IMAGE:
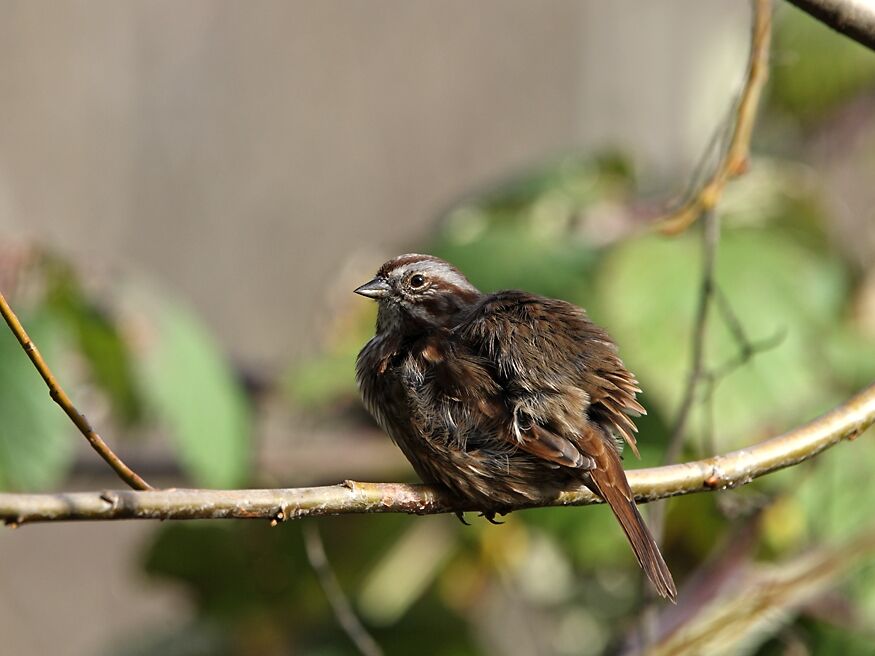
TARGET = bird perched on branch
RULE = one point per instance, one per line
(505, 398)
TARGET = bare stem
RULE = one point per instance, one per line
(60, 397)
(339, 602)
(729, 470)
(735, 160)
(710, 241)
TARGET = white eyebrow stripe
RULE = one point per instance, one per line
(435, 268)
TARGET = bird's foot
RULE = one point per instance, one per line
(490, 517)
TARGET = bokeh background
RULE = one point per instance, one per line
(188, 194)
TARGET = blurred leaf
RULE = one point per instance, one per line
(405, 571)
(844, 350)
(783, 195)
(36, 445)
(817, 69)
(523, 235)
(646, 293)
(826, 639)
(836, 501)
(316, 382)
(509, 257)
(188, 382)
(580, 179)
(97, 338)
(319, 381)
(838, 494)
(232, 569)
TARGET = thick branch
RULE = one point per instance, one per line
(730, 470)
(60, 397)
(853, 18)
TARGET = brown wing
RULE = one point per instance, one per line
(567, 391)
(546, 352)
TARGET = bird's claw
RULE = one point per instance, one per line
(490, 517)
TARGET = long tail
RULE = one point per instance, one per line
(608, 480)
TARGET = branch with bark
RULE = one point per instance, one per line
(729, 470)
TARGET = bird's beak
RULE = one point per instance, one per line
(376, 288)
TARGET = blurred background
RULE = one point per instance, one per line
(190, 191)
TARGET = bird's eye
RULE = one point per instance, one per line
(417, 281)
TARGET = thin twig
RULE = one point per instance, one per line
(60, 397)
(710, 241)
(730, 470)
(713, 377)
(747, 347)
(339, 602)
(747, 350)
(731, 320)
(735, 160)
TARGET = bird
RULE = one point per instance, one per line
(504, 399)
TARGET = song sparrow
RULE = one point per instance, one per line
(503, 398)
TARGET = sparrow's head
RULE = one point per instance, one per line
(417, 292)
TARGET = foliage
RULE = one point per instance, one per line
(192, 391)
(168, 369)
(96, 337)
(815, 71)
(785, 295)
(35, 448)
(786, 559)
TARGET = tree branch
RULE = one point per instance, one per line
(60, 397)
(734, 469)
(734, 161)
(853, 18)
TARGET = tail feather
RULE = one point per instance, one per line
(642, 542)
(608, 480)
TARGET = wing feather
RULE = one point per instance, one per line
(543, 351)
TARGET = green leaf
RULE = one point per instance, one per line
(97, 339)
(647, 292)
(35, 444)
(317, 382)
(819, 69)
(191, 387)
(526, 234)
